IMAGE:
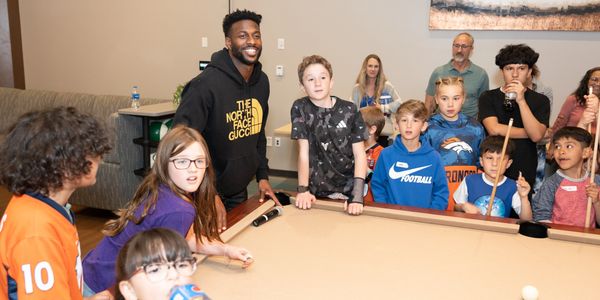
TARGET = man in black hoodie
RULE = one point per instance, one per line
(228, 104)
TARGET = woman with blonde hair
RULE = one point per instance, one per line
(373, 88)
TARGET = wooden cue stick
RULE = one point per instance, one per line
(493, 195)
(588, 210)
(589, 129)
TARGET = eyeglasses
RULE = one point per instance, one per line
(463, 46)
(158, 272)
(184, 163)
(595, 79)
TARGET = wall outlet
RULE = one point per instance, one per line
(277, 142)
(279, 70)
(269, 141)
(280, 44)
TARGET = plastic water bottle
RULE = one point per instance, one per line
(385, 101)
(187, 292)
(135, 98)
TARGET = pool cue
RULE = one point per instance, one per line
(588, 210)
(589, 129)
(493, 195)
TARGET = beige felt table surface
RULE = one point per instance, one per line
(325, 254)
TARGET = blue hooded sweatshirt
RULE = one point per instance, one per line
(410, 178)
(456, 141)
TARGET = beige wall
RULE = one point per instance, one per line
(108, 46)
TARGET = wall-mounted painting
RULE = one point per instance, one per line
(571, 15)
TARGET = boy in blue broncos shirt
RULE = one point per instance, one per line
(410, 172)
(473, 194)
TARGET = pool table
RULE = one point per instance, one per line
(393, 252)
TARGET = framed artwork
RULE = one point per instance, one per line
(572, 15)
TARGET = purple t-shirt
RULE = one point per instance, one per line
(170, 212)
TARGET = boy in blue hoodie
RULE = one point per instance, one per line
(410, 172)
(453, 134)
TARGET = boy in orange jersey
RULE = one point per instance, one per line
(44, 158)
(374, 121)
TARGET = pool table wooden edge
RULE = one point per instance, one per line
(422, 217)
(557, 232)
(574, 236)
(242, 218)
(243, 215)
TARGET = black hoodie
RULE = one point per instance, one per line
(231, 114)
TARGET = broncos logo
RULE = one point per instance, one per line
(456, 145)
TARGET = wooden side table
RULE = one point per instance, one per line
(157, 111)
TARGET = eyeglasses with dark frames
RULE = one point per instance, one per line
(185, 163)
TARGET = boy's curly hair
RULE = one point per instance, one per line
(45, 148)
(239, 15)
(516, 54)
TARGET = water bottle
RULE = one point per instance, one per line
(187, 292)
(385, 101)
(135, 98)
(510, 99)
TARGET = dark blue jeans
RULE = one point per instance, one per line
(232, 201)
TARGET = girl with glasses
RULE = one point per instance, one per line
(178, 194)
(152, 263)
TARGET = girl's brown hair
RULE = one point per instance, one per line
(203, 200)
(157, 245)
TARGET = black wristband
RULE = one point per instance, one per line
(357, 191)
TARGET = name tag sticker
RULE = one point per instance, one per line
(401, 164)
(569, 188)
